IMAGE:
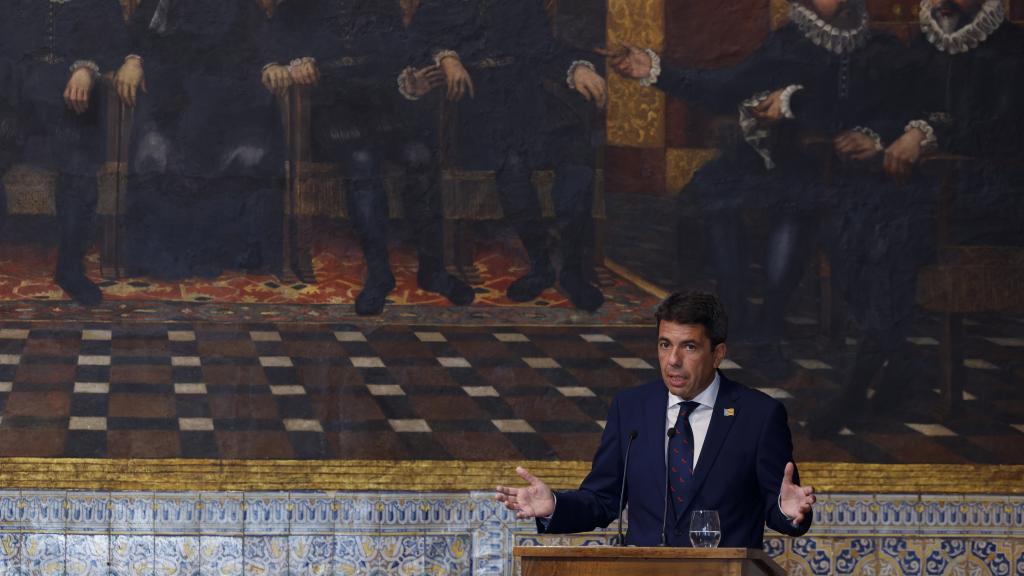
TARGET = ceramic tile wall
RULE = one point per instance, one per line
(222, 534)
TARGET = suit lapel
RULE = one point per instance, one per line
(654, 429)
(718, 430)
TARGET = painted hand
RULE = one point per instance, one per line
(770, 109)
(276, 78)
(305, 73)
(129, 80)
(628, 61)
(590, 85)
(422, 81)
(902, 154)
(855, 146)
(76, 93)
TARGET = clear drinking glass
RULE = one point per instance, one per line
(705, 531)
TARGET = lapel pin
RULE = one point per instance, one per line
(730, 411)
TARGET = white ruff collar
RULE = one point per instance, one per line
(989, 17)
(821, 33)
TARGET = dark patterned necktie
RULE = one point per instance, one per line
(680, 456)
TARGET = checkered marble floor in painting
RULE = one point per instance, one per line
(325, 391)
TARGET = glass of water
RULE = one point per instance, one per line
(705, 531)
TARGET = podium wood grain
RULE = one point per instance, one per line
(629, 561)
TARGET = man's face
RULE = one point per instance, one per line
(687, 360)
(954, 14)
(839, 13)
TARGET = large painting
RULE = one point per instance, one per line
(373, 235)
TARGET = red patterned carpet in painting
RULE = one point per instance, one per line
(28, 291)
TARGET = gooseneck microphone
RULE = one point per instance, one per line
(622, 492)
(671, 433)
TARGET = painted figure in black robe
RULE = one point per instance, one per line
(207, 161)
(355, 50)
(8, 127)
(495, 56)
(52, 56)
(815, 88)
(961, 95)
(964, 99)
(574, 96)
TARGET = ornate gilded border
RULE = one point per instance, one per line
(424, 475)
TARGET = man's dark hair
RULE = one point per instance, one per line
(701, 308)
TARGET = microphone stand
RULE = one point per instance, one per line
(671, 433)
(622, 491)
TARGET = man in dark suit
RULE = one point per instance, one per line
(738, 438)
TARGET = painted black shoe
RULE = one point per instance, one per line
(581, 293)
(80, 288)
(370, 301)
(531, 286)
(451, 287)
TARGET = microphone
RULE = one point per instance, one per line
(622, 493)
(671, 433)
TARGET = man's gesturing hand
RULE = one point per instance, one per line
(533, 501)
(794, 501)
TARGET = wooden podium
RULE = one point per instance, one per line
(629, 561)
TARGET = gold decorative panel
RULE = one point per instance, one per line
(780, 13)
(636, 115)
(454, 475)
(682, 163)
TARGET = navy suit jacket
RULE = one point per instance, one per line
(739, 471)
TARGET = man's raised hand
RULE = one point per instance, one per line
(532, 501)
(795, 501)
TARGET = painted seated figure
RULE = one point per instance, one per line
(51, 57)
(207, 159)
(495, 57)
(352, 52)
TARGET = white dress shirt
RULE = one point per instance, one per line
(700, 418)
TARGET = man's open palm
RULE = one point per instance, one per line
(533, 501)
(794, 500)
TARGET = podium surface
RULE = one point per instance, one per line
(651, 561)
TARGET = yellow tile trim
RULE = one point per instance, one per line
(422, 475)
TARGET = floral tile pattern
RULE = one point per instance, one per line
(414, 534)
